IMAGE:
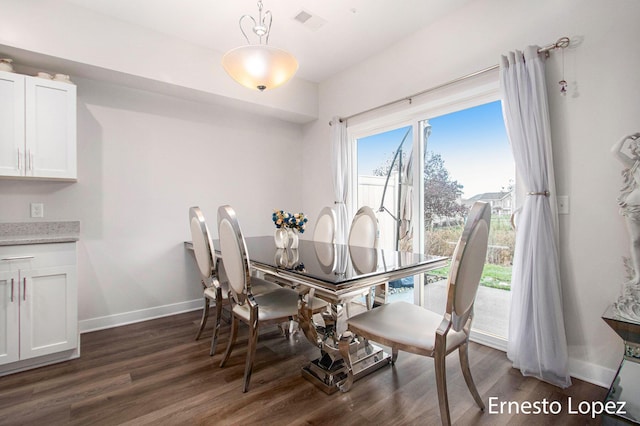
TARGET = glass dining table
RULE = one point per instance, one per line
(336, 273)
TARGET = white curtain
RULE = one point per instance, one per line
(340, 162)
(537, 340)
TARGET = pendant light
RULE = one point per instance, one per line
(259, 66)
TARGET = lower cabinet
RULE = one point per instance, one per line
(38, 304)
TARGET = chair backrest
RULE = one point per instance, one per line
(467, 264)
(234, 254)
(202, 245)
(325, 229)
(364, 230)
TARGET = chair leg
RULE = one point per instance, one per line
(251, 353)
(380, 293)
(466, 372)
(370, 298)
(441, 384)
(394, 355)
(232, 340)
(205, 315)
(216, 326)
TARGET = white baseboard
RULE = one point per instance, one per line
(592, 373)
(490, 340)
(117, 320)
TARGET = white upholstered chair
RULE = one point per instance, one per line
(274, 307)
(365, 232)
(201, 240)
(407, 327)
(214, 289)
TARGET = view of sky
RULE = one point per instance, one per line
(473, 144)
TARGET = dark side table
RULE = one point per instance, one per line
(626, 384)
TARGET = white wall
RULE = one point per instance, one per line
(602, 105)
(143, 160)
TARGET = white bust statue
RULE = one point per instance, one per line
(627, 150)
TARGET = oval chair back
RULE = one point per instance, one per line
(364, 230)
(325, 229)
(467, 264)
(234, 254)
(201, 240)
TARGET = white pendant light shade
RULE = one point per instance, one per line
(260, 67)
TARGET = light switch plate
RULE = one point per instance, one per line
(563, 204)
(37, 210)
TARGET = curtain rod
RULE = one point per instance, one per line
(560, 44)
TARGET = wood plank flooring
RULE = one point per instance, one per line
(154, 373)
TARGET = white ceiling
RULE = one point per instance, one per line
(354, 29)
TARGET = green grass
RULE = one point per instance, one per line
(497, 273)
(494, 276)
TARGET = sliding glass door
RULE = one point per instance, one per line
(421, 176)
(468, 159)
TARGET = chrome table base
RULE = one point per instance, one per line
(328, 374)
(336, 343)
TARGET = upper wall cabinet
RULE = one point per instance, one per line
(37, 127)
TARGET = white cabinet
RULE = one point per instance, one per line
(9, 318)
(37, 127)
(39, 302)
(12, 142)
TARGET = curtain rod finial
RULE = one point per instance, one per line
(563, 42)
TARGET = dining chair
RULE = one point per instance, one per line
(325, 229)
(365, 232)
(213, 289)
(407, 327)
(274, 307)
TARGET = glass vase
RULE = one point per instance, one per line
(281, 238)
(293, 238)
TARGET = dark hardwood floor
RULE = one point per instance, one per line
(155, 373)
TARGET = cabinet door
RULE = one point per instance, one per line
(9, 343)
(11, 124)
(50, 129)
(48, 311)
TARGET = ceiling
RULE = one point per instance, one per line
(350, 30)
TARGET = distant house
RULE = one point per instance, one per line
(501, 202)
